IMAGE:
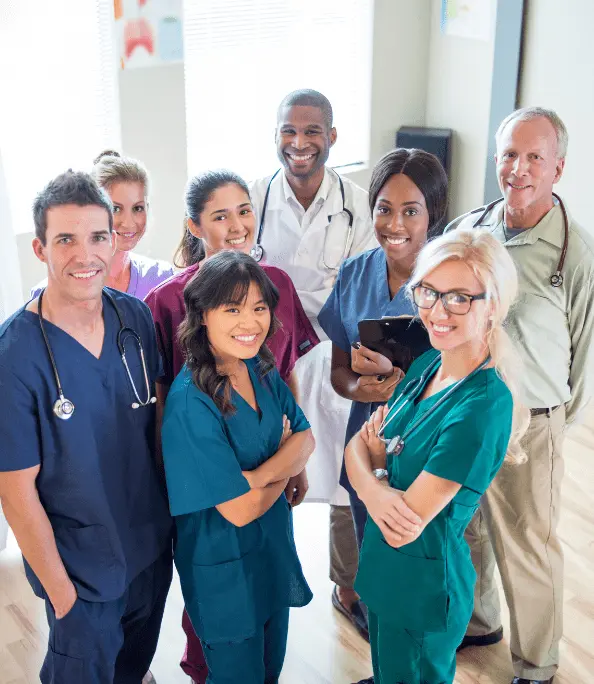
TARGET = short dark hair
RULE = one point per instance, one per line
(308, 98)
(199, 190)
(72, 187)
(424, 170)
(223, 279)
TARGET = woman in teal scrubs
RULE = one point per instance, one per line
(232, 437)
(435, 448)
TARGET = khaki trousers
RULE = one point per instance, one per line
(516, 528)
(344, 552)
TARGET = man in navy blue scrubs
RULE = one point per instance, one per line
(78, 480)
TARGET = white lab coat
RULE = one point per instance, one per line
(310, 249)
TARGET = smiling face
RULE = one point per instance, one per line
(527, 169)
(449, 331)
(226, 222)
(237, 330)
(303, 140)
(129, 213)
(78, 251)
(401, 220)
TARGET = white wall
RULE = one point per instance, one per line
(401, 38)
(459, 97)
(153, 122)
(558, 72)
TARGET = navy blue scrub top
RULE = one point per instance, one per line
(98, 481)
(360, 292)
(233, 578)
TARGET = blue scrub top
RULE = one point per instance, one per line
(360, 292)
(233, 578)
(98, 481)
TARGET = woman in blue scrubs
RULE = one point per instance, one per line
(437, 446)
(232, 437)
(408, 199)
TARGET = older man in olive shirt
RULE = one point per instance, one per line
(552, 325)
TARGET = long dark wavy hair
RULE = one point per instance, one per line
(222, 280)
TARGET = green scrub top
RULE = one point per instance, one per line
(233, 579)
(427, 585)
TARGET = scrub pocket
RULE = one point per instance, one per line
(404, 591)
(89, 559)
(59, 668)
(225, 599)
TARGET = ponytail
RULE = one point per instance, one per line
(508, 365)
(190, 249)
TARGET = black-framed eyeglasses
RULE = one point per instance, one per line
(454, 302)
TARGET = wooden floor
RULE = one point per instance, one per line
(323, 648)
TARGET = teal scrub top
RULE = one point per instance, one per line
(417, 586)
(233, 578)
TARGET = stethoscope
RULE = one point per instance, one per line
(409, 393)
(257, 251)
(557, 277)
(64, 408)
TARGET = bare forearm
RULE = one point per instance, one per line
(35, 537)
(359, 467)
(249, 507)
(288, 461)
(344, 383)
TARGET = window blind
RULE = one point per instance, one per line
(58, 78)
(243, 56)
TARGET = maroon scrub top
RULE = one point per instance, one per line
(295, 338)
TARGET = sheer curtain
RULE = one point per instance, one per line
(10, 283)
(60, 108)
(58, 78)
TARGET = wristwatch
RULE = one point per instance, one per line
(380, 473)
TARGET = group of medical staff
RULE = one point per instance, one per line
(189, 426)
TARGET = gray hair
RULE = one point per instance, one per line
(529, 113)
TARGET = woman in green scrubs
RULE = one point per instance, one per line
(232, 437)
(433, 451)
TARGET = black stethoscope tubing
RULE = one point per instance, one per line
(396, 444)
(64, 408)
(257, 251)
(556, 278)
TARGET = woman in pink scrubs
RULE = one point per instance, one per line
(219, 217)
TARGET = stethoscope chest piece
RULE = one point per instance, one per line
(395, 446)
(63, 408)
(257, 252)
(557, 279)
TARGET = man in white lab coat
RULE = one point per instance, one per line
(310, 220)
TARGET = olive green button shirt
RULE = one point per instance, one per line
(551, 326)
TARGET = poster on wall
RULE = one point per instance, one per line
(467, 18)
(148, 32)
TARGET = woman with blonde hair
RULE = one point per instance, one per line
(436, 447)
(126, 181)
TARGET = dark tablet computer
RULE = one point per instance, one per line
(401, 339)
